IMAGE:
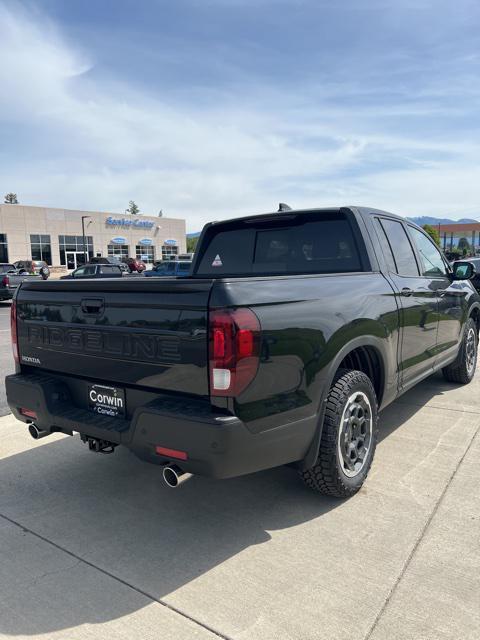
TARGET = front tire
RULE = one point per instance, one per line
(463, 368)
(349, 437)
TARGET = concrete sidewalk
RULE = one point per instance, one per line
(96, 546)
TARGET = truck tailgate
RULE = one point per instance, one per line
(150, 333)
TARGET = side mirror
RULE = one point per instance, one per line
(463, 270)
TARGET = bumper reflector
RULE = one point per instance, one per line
(28, 413)
(171, 453)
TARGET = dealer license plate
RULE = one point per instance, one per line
(106, 401)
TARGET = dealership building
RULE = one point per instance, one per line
(56, 235)
(451, 235)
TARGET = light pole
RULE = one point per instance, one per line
(83, 236)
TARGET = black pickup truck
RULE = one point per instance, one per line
(291, 332)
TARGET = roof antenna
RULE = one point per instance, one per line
(283, 207)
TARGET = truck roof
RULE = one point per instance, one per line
(293, 212)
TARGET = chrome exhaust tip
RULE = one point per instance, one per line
(174, 476)
(37, 433)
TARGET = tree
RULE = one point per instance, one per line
(192, 244)
(463, 246)
(11, 198)
(433, 233)
(133, 209)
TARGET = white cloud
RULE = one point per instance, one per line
(95, 144)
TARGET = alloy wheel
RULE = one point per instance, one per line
(355, 434)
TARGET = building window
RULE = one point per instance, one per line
(147, 254)
(169, 252)
(118, 250)
(41, 248)
(70, 244)
(3, 248)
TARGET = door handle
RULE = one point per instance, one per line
(406, 291)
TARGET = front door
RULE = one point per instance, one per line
(74, 259)
(71, 258)
(451, 296)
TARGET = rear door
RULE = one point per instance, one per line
(418, 301)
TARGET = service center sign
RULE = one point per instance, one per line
(126, 222)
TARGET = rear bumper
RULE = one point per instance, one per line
(217, 445)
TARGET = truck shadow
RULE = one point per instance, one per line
(116, 513)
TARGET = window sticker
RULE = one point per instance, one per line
(217, 262)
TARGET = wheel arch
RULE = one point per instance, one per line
(475, 314)
(367, 354)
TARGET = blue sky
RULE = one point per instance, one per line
(213, 108)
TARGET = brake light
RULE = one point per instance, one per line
(234, 350)
(6, 281)
(13, 330)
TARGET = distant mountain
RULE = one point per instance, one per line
(421, 220)
(193, 235)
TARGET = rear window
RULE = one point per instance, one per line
(104, 269)
(316, 242)
(5, 268)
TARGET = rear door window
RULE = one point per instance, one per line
(109, 270)
(386, 248)
(183, 267)
(313, 242)
(405, 261)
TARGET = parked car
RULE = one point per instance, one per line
(171, 268)
(38, 267)
(110, 260)
(290, 334)
(11, 279)
(95, 271)
(135, 265)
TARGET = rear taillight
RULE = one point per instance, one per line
(234, 344)
(6, 281)
(13, 329)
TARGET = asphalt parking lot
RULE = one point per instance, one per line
(96, 546)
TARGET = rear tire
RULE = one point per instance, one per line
(349, 437)
(463, 368)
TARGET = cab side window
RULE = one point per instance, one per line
(432, 262)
